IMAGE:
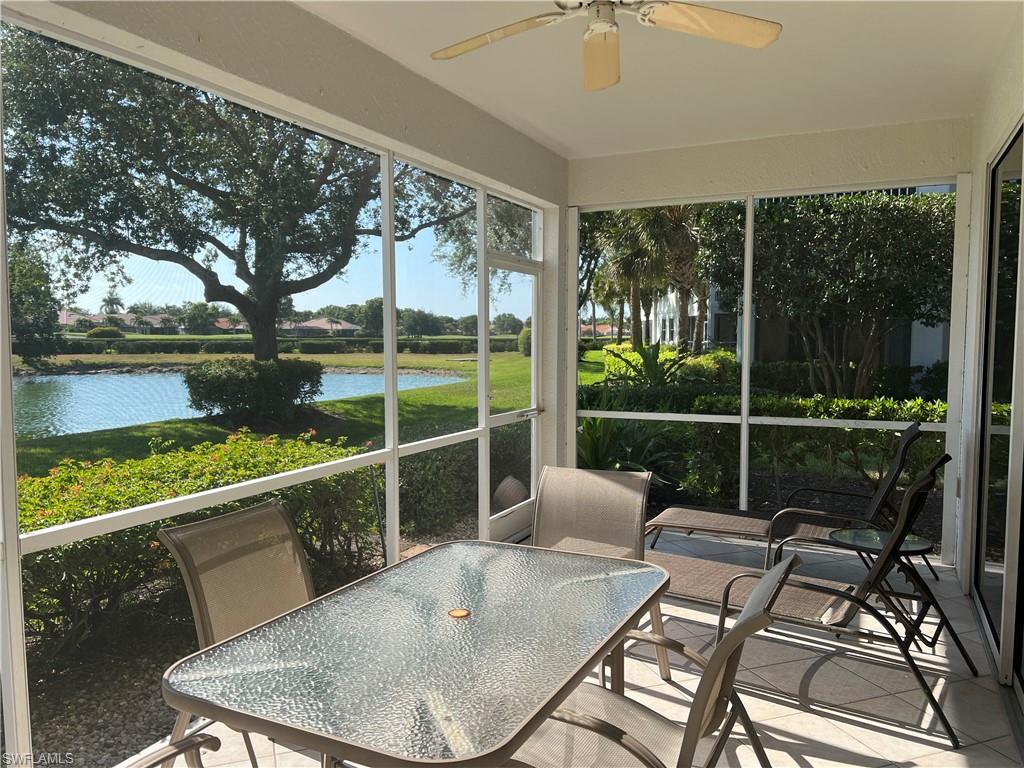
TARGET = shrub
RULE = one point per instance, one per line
(105, 332)
(83, 346)
(328, 346)
(525, 345)
(253, 389)
(505, 345)
(232, 346)
(157, 346)
(70, 589)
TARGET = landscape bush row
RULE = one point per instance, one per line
(171, 345)
(71, 590)
(698, 463)
(784, 377)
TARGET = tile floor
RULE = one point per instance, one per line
(816, 701)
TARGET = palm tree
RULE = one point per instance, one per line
(610, 292)
(111, 304)
(656, 247)
(636, 254)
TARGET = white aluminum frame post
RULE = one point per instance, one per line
(13, 664)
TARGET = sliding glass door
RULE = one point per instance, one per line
(999, 357)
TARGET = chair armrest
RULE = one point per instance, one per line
(193, 743)
(811, 540)
(611, 732)
(723, 609)
(829, 491)
(667, 642)
(816, 513)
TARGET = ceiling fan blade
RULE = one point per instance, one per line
(725, 26)
(601, 60)
(479, 41)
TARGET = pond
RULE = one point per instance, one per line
(67, 404)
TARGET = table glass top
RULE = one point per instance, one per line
(872, 538)
(381, 664)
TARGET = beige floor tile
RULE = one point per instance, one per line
(296, 759)
(891, 726)
(973, 756)
(767, 649)
(819, 680)
(893, 675)
(810, 741)
(1006, 745)
(972, 709)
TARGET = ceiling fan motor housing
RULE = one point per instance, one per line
(602, 19)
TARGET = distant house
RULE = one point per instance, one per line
(159, 324)
(319, 326)
(227, 325)
(603, 329)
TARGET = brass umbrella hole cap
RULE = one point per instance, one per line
(459, 613)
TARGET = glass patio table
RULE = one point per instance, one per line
(454, 656)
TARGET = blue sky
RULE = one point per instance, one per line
(421, 282)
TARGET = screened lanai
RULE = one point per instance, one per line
(277, 255)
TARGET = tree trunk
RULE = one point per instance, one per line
(593, 319)
(264, 334)
(636, 332)
(622, 317)
(683, 329)
(698, 329)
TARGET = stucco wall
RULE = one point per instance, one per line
(909, 152)
(280, 54)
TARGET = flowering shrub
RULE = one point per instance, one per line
(69, 589)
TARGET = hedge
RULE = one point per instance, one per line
(82, 346)
(69, 589)
(438, 488)
(229, 346)
(427, 346)
(105, 332)
(157, 346)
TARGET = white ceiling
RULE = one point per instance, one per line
(837, 65)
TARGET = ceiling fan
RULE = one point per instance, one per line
(601, 38)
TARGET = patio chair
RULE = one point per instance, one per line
(240, 569)
(597, 727)
(596, 512)
(879, 511)
(189, 747)
(831, 606)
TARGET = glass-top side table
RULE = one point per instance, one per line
(871, 541)
(453, 656)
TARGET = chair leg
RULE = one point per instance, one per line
(249, 749)
(904, 646)
(931, 568)
(932, 601)
(657, 535)
(658, 625)
(723, 736)
(748, 726)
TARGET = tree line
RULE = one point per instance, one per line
(843, 271)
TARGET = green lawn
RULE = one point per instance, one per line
(591, 367)
(424, 412)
